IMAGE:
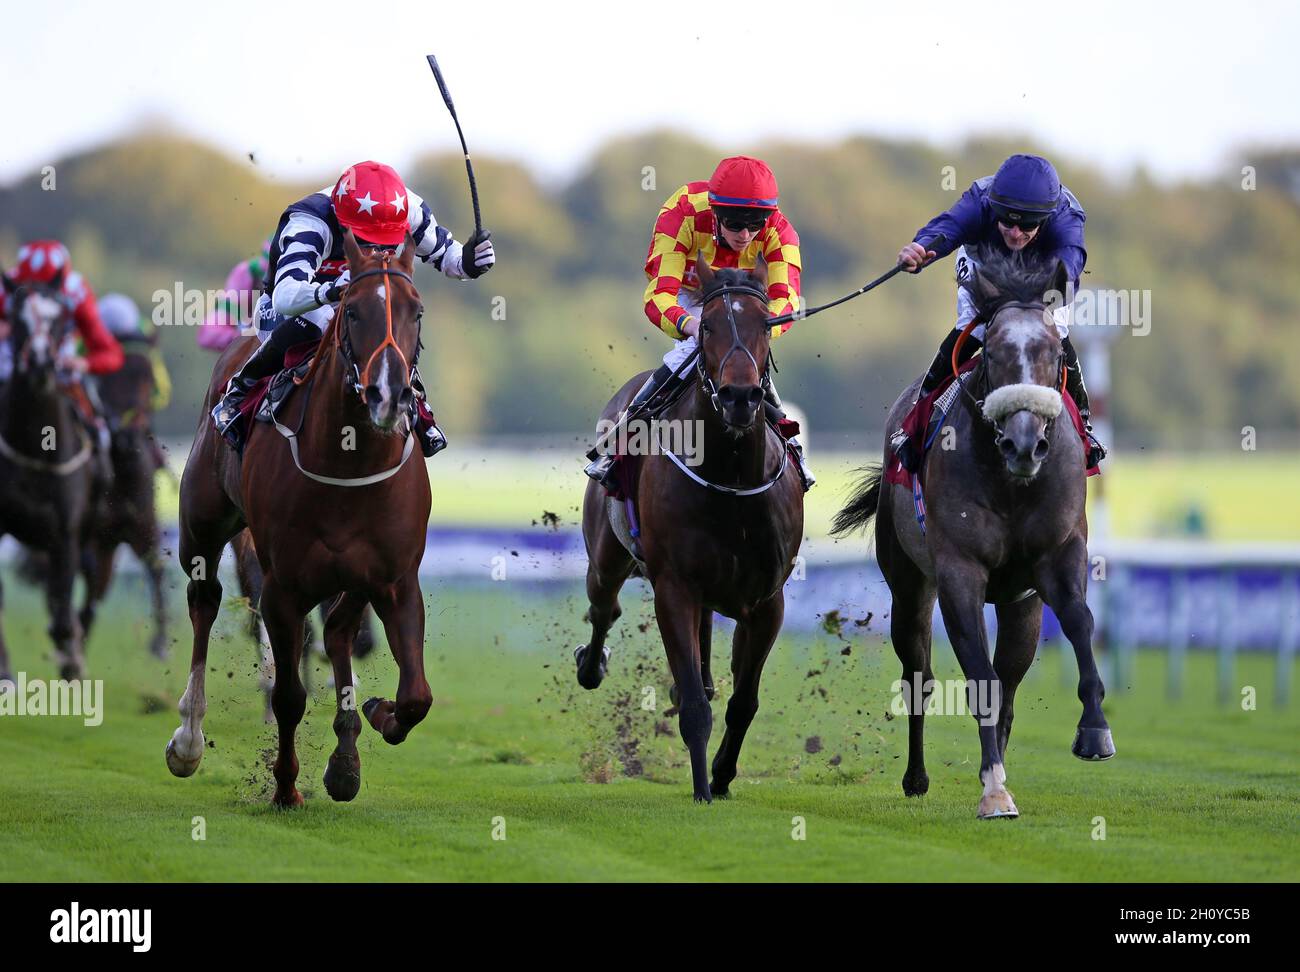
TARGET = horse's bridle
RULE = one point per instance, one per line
(710, 387)
(978, 403)
(343, 333)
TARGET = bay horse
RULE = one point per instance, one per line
(49, 480)
(1005, 524)
(720, 537)
(129, 514)
(315, 537)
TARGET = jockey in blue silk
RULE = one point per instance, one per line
(307, 275)
(1022, 207)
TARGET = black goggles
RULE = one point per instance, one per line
(736, 222)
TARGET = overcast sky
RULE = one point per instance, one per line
(312, 87)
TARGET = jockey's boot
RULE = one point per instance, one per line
(776, 414)
(264, 362)
(432, 439)
(1079, 392)
(601, 466)
(909, 452)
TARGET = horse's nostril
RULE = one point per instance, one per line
(755, 396)
(373, 395)
(1041, 450)
(1008, 448)
(405, 397)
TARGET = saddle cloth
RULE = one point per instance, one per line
(269, 394)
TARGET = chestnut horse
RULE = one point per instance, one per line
(721, 537)
(315, 537)
(1005, 524)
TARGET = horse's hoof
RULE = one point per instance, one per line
(370, 705)
(916, 784)
(994, 806)
(1093, 745)
(290, 801)
(721, 791)
(704, 798)
(342, 777)
(588, 679)
(179, 764)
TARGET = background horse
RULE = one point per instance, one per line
(130, 513)
(318, 540)
(706, 548)
(1005, 525)
(48, 476)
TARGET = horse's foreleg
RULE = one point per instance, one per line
(64, 629)
(1062, 584)
(283, 619)
(185, 750)
(678, 612)
(962, 585)
(1019, 625)
(343, 773)
(249, 574)
(750, 646)
(401, 610)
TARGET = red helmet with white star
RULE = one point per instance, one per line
(370, 199)
(41, 261)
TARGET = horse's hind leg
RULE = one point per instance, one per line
(750, 646)
(146, 548)
(608, 567)
(283, 618)
(402, 612)
(249, 573)
(97, 555)
(678, 612)
(1062, 586)
(911, 618)
(343, 773)
(1019, 625)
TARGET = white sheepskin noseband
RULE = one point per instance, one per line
(1010, 399)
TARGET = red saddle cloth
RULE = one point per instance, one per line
(295, 356)
(917, 424)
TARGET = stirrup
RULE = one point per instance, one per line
(805, 474)
(1096, 452)
(601, 469)
(904, 451)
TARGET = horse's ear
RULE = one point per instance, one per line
(759, 273)
(703, 270)
(985, 287)
(9, 285)
(406, 253)
(352, 250)
(56, 282)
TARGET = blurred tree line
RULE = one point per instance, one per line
(1219, 260)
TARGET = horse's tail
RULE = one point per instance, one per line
(857, 514)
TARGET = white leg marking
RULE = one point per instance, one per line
(185, 750)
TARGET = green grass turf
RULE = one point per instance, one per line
(1147, 494)
(1197, 792)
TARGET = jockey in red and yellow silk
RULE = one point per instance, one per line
(730, 221)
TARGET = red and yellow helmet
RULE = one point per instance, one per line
(744, 182)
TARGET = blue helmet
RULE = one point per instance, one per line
(1025, 190)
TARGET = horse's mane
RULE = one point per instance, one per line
(726, 277)
(1017, 278)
